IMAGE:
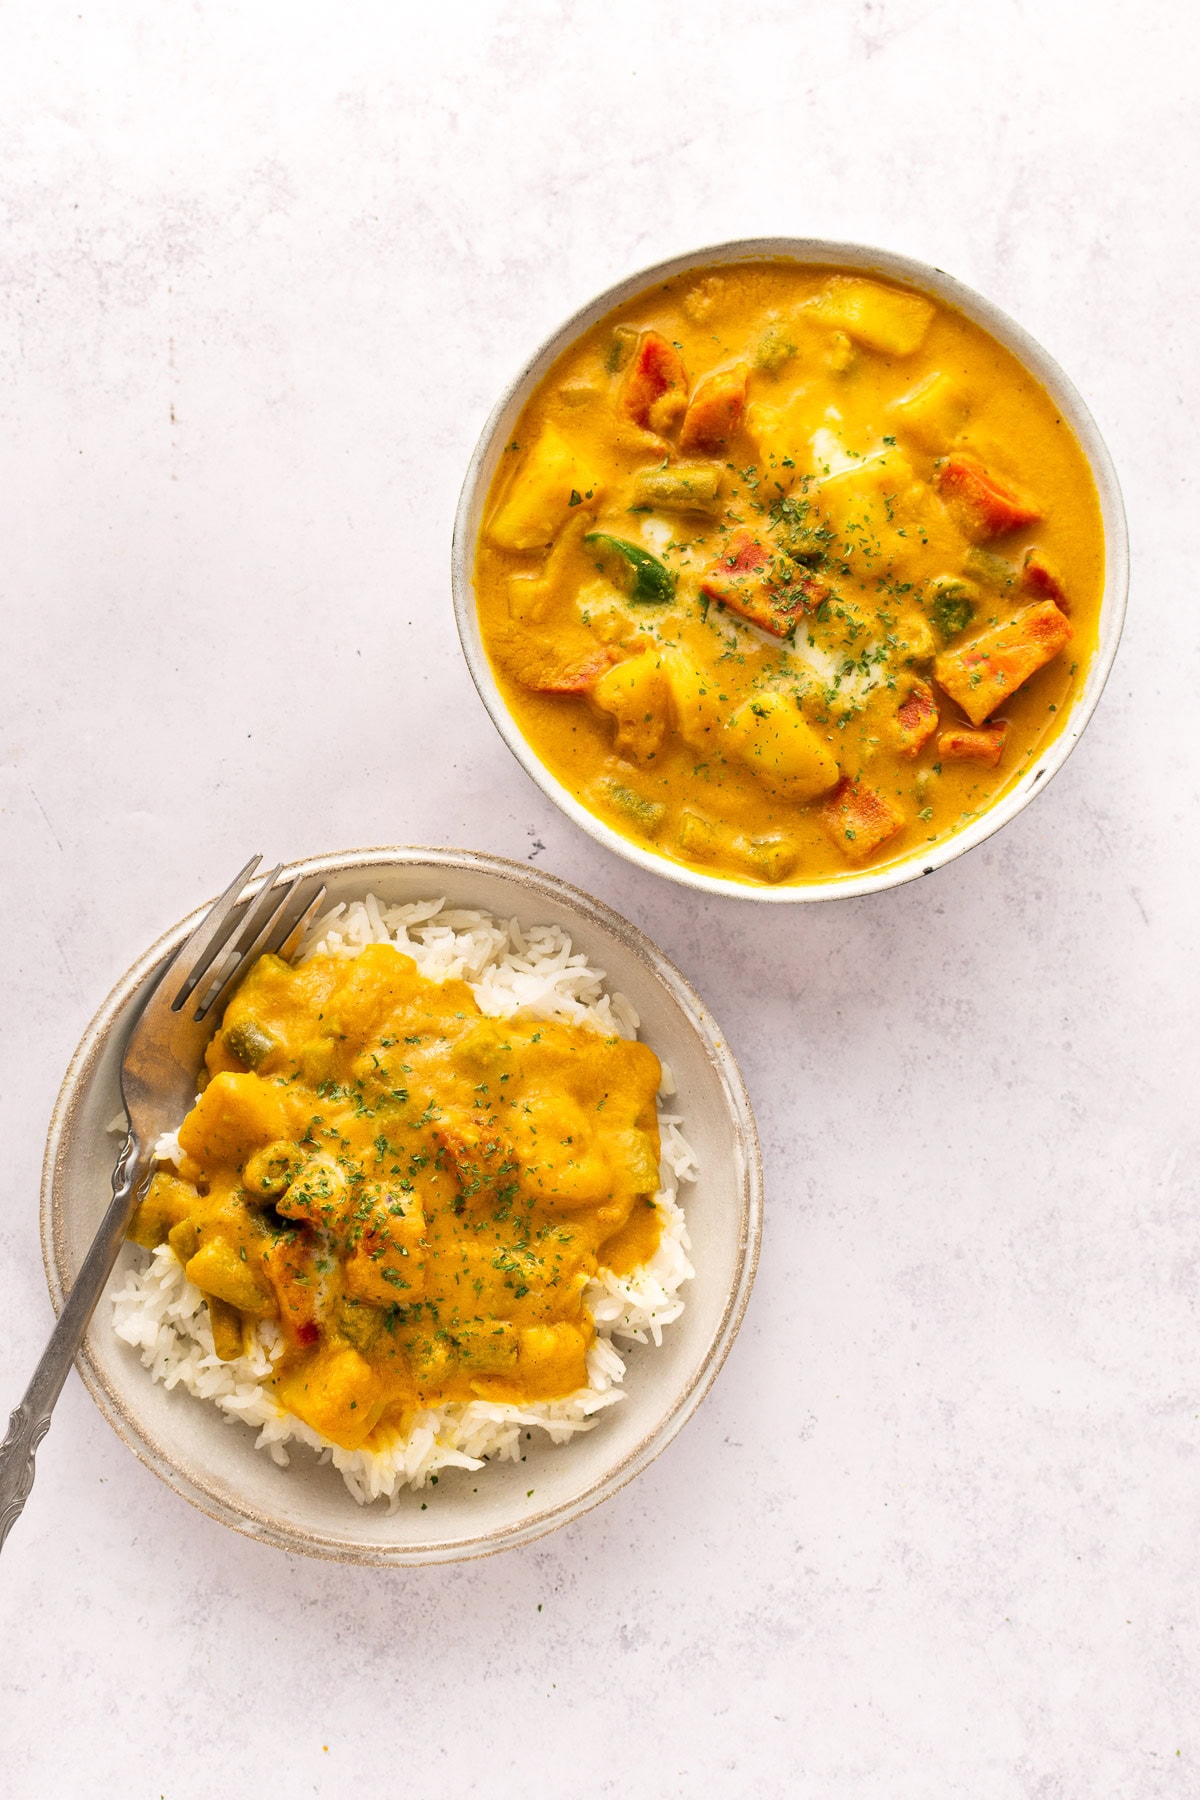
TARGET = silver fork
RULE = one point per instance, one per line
(163, 1054)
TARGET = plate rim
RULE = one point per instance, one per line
(256, 1524)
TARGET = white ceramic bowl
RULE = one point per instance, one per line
(499, 431)
(306, 1507)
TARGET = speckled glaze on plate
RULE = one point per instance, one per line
(870, 261)
(306, 1507)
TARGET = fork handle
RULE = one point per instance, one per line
(31, 1420)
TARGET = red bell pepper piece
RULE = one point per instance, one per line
(656, 386)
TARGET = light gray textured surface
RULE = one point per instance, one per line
(262, 271)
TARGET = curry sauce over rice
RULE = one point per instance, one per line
(418, 1195)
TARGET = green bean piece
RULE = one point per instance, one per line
(689, 487)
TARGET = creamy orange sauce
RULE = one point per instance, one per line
(787, 573)
(419, 1195)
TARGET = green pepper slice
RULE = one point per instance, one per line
(653, 583)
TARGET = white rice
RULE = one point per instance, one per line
(534, 973)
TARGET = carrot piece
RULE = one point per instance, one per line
(916, 718)
(715, 411)
(859, 819)
(985, 745)
(990, 668)
(983, 505)
(771, 591)
(1041, 578)
(656, 387)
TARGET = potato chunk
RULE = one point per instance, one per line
(338, 1394)
(379, 979)
(635, 693)
(777, 440)
(563, 1163)
(988, 669)
(220, 1268)
(270, 1010)
(552, 1358)
(782, 749)
(234, 1116)
(883, 318)
(868, 497)
(695, 707)
(859, 819)
(538, 499)
(933, 413)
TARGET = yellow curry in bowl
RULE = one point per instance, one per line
(788, 572)
(414, 1194)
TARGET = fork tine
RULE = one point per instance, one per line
(234, 933)
(286, 940)
(249, 928)
(209, 935)
(260, 927)
(265, 905)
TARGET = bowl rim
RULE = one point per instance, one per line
(252, 1522)
(866, 258)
